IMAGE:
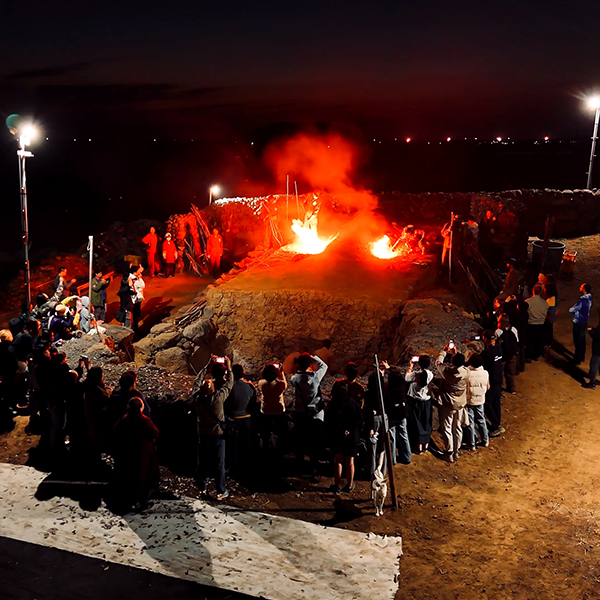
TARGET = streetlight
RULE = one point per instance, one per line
(594, 104)
(213, 191)
(24, 131)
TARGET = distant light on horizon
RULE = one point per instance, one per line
(407, 140)
(498, 139)
(546, 138)
(448, 139)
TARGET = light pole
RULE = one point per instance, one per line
(594, 104)
(212, 192)
(25, 134)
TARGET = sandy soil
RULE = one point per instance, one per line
(518, 520)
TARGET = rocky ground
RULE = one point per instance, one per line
(518, 520)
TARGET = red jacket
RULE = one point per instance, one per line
(169, 251)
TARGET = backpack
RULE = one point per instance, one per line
(509, 344)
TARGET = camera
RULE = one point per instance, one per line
(220, 359)
(415, 359)
(451, 344)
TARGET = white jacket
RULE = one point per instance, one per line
(479, 384)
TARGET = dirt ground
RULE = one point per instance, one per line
(518, 520)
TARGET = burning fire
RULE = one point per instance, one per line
(308, 240)
(383, 249)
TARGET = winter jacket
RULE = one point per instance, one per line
(479, 383)
(210, 412)
(453, 390)
(308, 393)
(581, 310)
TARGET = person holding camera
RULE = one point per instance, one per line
(419, 401)
(208, 396)
(309, 407)
(453, 399)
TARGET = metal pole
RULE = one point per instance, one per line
(209, 196)
(22, 155)
(593, 151)
(297, 204)
(386, 435)
(287, 198)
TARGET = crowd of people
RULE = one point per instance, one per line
(241, 424)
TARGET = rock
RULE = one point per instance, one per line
(154, 343)
(173, 360)
(90, 346)
(162, 328)
(198, 330)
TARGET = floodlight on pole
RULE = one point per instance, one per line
(594, 104)
(25, 133)
(213, 191)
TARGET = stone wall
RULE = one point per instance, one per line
(267, 326)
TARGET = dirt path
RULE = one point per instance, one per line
(518, 520)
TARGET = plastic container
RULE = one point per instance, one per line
(554, 256)
(568, 262)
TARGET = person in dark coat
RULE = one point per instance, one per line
(95, 405)
(344, 420)
(8, 372)
(419, 396)
(136, 460)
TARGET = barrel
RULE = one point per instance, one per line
(553, 257)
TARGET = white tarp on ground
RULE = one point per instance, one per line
(249, 552)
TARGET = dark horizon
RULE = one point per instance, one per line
(427, 71)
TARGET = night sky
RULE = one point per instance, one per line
(213, 70)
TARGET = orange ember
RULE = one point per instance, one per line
(383, 249)
(307, 239)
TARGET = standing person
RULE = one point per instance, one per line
(136, 460)
(209, 396)
(239, 406)
(273, 419)
(479, 384)
(537, 309)
(170, 255)
(214, 251)
(95, 405)
(98, 296)
(308, 407)
(138, 285)
(344, 420)
(492, 363)
(508, 338)
(594, 333)
(126, 294)
(8, 373)
(550, 294)
(581, 315)
(420, 402)
(151, 241)
(453, 398)
(398, 416)
(62, 285)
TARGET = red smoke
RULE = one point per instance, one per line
(323, 162)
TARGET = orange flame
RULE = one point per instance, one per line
(383, 249)
(308, 240)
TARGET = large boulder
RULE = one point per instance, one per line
(147, 347)
(199, 331)
(174, 360)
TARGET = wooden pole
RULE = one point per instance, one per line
(386, 434)
(547, 234)
(287, 198)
